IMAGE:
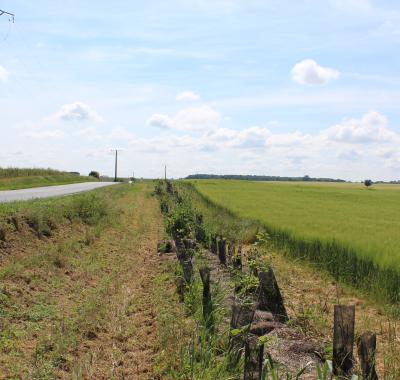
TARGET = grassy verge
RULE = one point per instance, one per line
(79, 305)
(44, 216)
(13, 179)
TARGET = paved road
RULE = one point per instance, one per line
(49, 191)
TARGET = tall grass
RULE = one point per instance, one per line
(219, 220)
(27, 172)
(20, 178)
(341, 259)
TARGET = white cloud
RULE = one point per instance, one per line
(289, 139)
(77, 112)
(160, 121)
(190, 119)
(4, 74)
(248, 138)
(309, 72)
(356, 147)
(187, 96)
(372, 127)
(253, 137)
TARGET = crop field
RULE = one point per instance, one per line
(14, 178)
(87, 278)
(325, 221)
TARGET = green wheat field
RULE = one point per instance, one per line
(325, 220)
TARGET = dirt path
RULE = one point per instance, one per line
(79, 310)
(124, 349)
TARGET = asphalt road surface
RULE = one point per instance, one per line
(49, 191)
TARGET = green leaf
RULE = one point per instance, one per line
(236, 332)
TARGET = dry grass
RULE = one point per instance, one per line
(79, 305)
(310, 297)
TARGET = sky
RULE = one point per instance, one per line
(271, 87)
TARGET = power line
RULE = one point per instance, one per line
(12, 15)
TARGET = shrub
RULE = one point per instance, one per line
(89, 208)
(181, 222)
(43, 220)
(94, 174)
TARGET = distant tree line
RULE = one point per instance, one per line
(262, 178)
(390, 182)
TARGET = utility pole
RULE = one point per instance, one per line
(8, 14)
(165, 173)
(116, 163)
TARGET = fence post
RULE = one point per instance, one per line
(242, 316)
(214, 245)
(253, 358)
(343, 339)
(185, 259)
(366, 351)
(231, 251)
(207, 303)
(222, 251)
(270, 298)
(237, 259)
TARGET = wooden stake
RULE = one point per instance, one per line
(222, 251)
(242, 316)
(207, 303)
(237, 259)
(343, 339)
(253, 358)
(187, 268)
(214, 245)
(270, 298)
(366, 352)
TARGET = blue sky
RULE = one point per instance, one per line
(216, 86)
